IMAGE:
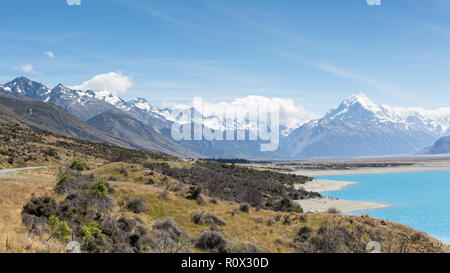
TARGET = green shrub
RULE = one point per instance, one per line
(66, 177)
(100, 189)
(51, 152)
(59, 229)
(79, 165)
(93, 237)
(92, 232)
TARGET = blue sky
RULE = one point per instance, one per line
(314, 52)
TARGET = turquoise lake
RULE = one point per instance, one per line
(419, 200)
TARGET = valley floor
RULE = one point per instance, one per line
(365, 166)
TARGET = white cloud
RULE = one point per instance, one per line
(27, 68)
(73, 2)
(439, 113)
(374, 2)
(114, 82)
(50, 54)
(291, 115)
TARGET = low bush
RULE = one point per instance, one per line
(162, 242)
(41, 206)
(59, 229)
(67, 183)
(245, 207)
(99, 189)
(287, 220)
(333, 211)
(79, 165)
(36, 224)
(213, 240)
(303, 233)
(302, 218)
(170, 226)
(51, 152)
(137, 205)
(207, 218)
(194, 192)
(330, 239)
(286, 204)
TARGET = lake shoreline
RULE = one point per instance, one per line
(324, 204)
(405, 169)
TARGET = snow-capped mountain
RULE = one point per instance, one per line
(359, 127)
(101, 110)
(82, 104)
(25, 87)
(141, 109)
(359, 107)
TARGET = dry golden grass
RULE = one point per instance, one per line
(240, 228)
(128, 172)
(17, 189)
(15, 192)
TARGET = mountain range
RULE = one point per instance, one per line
(357, 127)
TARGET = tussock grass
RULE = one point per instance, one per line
(240, 229)
(14, 194)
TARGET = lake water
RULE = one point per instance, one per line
(419, 200)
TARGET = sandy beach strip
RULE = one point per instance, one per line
(322, 205)
(406, 169)
(322, 185)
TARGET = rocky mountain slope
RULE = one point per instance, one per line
(50, 108)
(442, 146)
(137, 134)
(44, 116)
(358, 127)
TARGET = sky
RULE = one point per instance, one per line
(312, 53)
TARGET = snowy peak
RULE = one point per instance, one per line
(360, 107)
(62, 89)
(354, 103)
(26, 87)
(107, 97)
(360, 99)
(141, 104)
(86, 95)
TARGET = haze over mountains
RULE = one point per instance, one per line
(357, 127)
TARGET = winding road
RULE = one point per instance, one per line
(5, 171)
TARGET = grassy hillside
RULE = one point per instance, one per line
(119, 200)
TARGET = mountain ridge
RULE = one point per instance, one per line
(356, 127)
(137, 134)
